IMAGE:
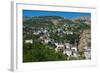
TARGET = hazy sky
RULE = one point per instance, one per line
(54, 13)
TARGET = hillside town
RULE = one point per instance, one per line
(70, 37)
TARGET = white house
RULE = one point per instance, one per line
(87, 55)
(36, 33)
(41, 37)
(59, 47)
(46, 41)
(69, 32)
(29, 41)
(45, 31)
(74, 54)
(74, 48)
(87, 52)
(68, 52)
(56, 44)
(67, 45)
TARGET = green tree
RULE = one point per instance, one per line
(40, 52)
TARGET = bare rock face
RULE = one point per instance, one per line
(86, 19)
(85, 40)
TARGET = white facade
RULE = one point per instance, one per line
(36, 33)
(59, 46)
(68, 52)
(69, 32)
(74, 48)
(87, 52)
(67, 45)
(46, 41)
(41, 37)
(28, 41)
(75, 54)
(87, 55)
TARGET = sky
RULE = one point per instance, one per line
(31, 13)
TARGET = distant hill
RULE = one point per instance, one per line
(83, 18)
(54, 20)
(25, 18)
(86, 19)
(42, 20)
